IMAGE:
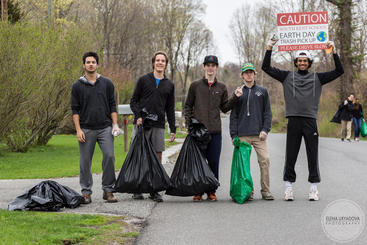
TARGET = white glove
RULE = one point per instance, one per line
(273, 41)
(263, 135)
(116, 131)
(330, 43)
(238, 92)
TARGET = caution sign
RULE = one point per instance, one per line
(302, 31)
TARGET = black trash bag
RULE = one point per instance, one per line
(336, 118)
(148, 118)
(200, 133)
(47, 195)
(191, 174)
(142, 171)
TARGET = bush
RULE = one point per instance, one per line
(37, 69)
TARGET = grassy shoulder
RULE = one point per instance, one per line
(59, 158)
(58, 228)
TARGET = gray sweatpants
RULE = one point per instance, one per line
(105, 139)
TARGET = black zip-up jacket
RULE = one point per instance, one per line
(346, 111)
(204, 103)
(302, 89)
(93, 102)
(251, 114)
(357, 113)
(159, 100)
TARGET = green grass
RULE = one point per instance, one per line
(52, 228)
(59, 158)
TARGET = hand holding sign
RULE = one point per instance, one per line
(330, 47)
(273, 41)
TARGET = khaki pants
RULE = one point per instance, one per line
(346, 129)
(263, 159)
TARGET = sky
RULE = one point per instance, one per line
(217, 19)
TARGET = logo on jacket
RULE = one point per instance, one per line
(258, 93)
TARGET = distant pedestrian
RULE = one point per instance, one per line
(95, 118)
(302, 91)
(357, 118)
(205, 99)
(346, 115)
(250, 120)
(154, 94)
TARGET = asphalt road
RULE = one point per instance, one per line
(343, 168)
(178, 220)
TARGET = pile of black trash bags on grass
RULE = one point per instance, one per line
(48, 195)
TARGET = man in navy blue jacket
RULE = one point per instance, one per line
(95, 118)
(250, 120)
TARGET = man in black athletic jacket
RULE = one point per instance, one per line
(302, 91)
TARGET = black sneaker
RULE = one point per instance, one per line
(138, 196)
(156, 197)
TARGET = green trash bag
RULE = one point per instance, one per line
(241, 180)
(364, 129)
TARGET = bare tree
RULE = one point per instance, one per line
(345, 35)
(198, 41)
(174, 20)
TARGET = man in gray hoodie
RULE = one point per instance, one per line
(250, 120)
(95, 118)
(302, 91)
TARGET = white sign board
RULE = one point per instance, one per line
(302, 31)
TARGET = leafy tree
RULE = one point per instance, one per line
(15, 14)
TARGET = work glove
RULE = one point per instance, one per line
(116, 131)
(238, 92)
(263, 135)
(330, 43)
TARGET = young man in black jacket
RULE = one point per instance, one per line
(95, 118)
(154, 93)
(302, 91)
(346, 115)
(250, 120)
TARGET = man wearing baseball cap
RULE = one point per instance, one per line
(251, 121)
(205, 99)
(302, 91)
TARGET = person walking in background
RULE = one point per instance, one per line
(357, 118)
(346, 115)
(154, 93)
(205, 99)
(302, 91)
(250, 120)
(95, 118)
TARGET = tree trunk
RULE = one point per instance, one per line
(344, 31)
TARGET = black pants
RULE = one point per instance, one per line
(296, 128)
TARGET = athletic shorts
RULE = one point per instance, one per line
(155, 135)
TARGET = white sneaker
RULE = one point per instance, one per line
(288, 194)
(313, 195)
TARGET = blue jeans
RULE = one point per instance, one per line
(357, 123)
(212, 154)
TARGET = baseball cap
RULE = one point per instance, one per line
(248, 66)
(211, 59)
(303, 54)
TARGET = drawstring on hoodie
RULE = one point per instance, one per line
(314, 81)
(294, 89)
(248, 102)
